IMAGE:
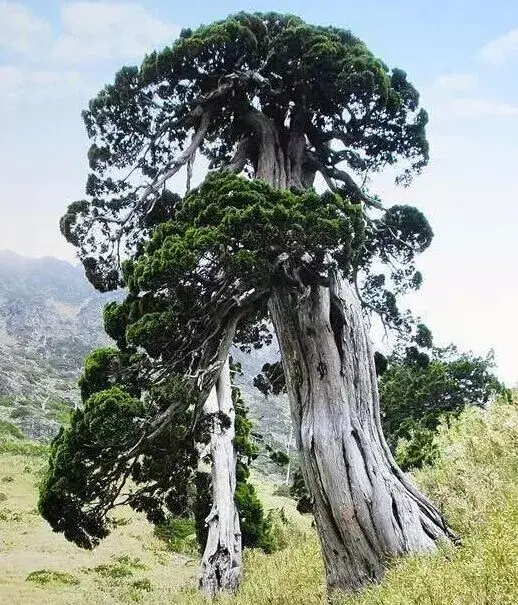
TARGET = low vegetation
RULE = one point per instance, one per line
(474, 479)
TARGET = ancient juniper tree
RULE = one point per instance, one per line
(285, 104)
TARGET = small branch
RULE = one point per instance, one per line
(182, 159)
(160, 181)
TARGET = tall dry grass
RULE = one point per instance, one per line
(475, 481)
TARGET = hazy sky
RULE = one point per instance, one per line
(461, 54)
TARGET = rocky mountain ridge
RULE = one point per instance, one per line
(50, 318)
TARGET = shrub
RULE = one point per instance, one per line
(417, 449)
(179, 534)
(49, 576)
(11, 516)
(254, 525)
(143, 584)
(279, 531)
(282, 490)
(123, 566)
(20, 413)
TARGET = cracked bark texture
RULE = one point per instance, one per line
(221, 565)
(365, 508)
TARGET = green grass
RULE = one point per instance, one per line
(29, 546)
(13, 441)
(59, 411)
(24, 448)
(49, 576)
(475, 481)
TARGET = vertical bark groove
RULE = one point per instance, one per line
(365, 508)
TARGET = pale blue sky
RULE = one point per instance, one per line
(462, 55)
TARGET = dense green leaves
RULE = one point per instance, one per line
(82, 456)
(100, 371)
(104, 458)
(418, 391)
(320, 82)
(245, 227)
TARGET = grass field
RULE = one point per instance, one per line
(131, 565)
(475, 482)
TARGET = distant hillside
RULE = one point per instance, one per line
(50, 318)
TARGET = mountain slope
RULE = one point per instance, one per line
(50, 318)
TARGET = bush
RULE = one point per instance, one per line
(144, 584)
(49, 576)
(418, 392)
(179, 534)
(21, 412)
(417, 449)
(251, 515)
(299, 492)
(279, 531)
(123, 566)
(282, 490)
(10, 431)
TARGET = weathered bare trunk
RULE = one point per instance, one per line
(221, 563)
(365, 509)
(281, 162)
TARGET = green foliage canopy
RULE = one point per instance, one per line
(334, 108)
(200, 268)
(417, 391)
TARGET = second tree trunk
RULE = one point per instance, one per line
(222, 559)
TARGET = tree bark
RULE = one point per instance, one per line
(221, 564)
(365, 509)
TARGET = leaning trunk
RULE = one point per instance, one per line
(365, 509)
(221, 563)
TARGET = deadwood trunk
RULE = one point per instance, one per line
(365, 508)
(222, 561)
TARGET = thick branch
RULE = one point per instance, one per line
(238, 161)
(330, 174)
(208, 373)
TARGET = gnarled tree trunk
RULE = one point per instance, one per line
(222, 561)
(365, 508)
